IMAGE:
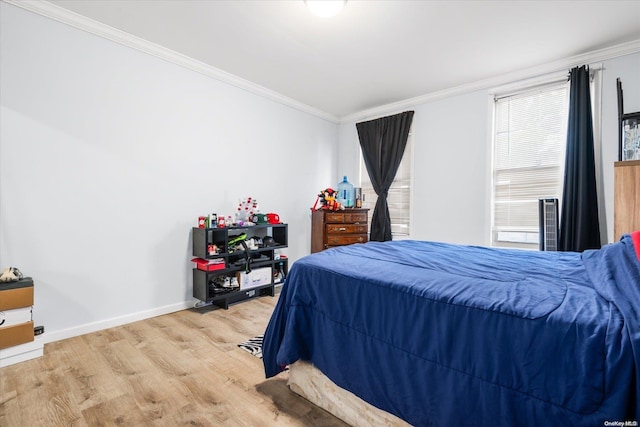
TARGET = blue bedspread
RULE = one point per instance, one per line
(442, 334)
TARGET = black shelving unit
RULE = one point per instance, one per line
(213, 243)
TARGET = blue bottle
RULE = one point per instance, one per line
(346, 194)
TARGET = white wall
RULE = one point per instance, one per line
(108, 156)
(450, 196)
(452, 157)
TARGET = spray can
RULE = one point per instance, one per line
(358, 195)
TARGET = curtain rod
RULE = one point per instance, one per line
(540, 81)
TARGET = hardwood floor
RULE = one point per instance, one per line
(178, 369)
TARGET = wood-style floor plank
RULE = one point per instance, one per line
(183, 368)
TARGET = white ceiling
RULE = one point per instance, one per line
(373, 53)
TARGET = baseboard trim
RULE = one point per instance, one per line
(112, 322)
(23, 352)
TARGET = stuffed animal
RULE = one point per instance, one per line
(10, 274)
(327, 198)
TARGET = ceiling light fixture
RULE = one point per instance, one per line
(325, 8)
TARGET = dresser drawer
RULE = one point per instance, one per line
(16, 334)
(346, 228)
(346, 239)
(16, 298)
(338, 228)
(350, 217)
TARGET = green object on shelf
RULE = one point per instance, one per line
(237, 239)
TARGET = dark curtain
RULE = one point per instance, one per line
(579, 225)
(383, 141)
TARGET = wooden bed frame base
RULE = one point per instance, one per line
(309, 382)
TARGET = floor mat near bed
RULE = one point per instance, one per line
(253, 346)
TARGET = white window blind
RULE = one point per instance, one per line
(528, 163)
(399, 197)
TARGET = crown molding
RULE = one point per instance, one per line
(81, 22)
(531, 73)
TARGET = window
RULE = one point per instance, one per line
(399, 198)
(528, 161)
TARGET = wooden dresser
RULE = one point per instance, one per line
(626, 209)
(338, 228)
(16, 301)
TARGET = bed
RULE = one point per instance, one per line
(443, 334)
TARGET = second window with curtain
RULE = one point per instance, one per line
(528, 160)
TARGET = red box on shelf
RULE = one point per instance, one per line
(209, 264)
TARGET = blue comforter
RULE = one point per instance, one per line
(442, 334)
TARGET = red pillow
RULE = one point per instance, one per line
(635, 237)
